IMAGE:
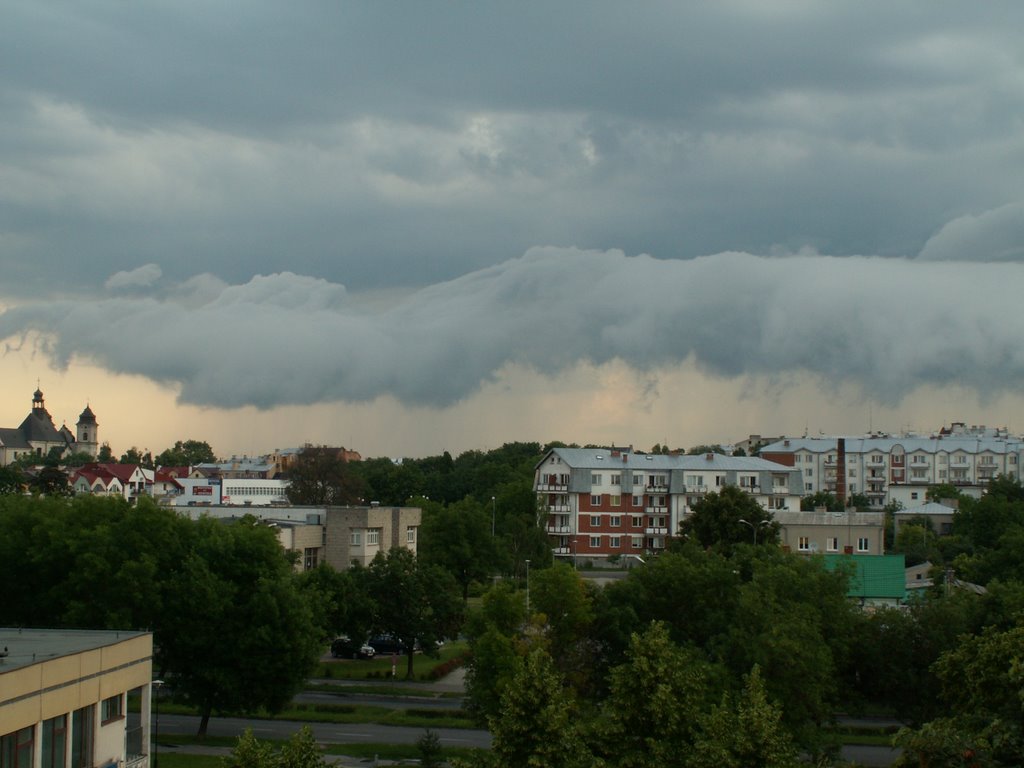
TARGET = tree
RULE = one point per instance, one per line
(650, 716)
(413, 602)
(339, 600)
(135, 455)
(106, 454)
(320, 476)
(458, 538)
(238, 634)
(858, 501)
(300, 751)
(728, 517)
(187, 453)
(12, 479)
(704, 448)
(562, 604)
(745, 732)
(520, 528)
(50, 481)
(818, 499)
(538, 724)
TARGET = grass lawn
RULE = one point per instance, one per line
(379, 668)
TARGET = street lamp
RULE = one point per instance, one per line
(492, 517)
(527, 590)
(156, 727)
(754, 527)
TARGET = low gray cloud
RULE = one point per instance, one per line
(888, 325)
(378, 145)
(996, 235)
(140, 277)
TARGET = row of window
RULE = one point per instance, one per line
(615, 478)
(17, 749)
(898, 459)
(832, 544)
(258, 490)
(615, 500)
(615, 521)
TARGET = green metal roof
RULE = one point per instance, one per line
(875, 577)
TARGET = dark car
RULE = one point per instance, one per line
(345, 647)
(386, 644)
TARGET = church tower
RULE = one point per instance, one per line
(87, 439)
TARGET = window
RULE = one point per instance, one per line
(862, 544)
(595, 500)
(16, 748)
(804, 544)
(638, 542)
(852, 473)
(111, 709)
(410, 535)
(638, 501)
(616, 521)
(809, 472)
(595, 479)
(595, 521)
(695, 479)
(82, 737)
(357, 538)
(373, 536)
(808, 486)
(638, 480)
(616, 479)
(832, 544)
(637, 521)
(616, 500)
(55, 737)
(616, 542)
(913, 495)
(595, 542)
(310, 557)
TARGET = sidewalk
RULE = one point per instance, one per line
(453, 682)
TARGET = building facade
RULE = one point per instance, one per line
(337, 536)
(68, 698)
(614, 502)
(37, 435)
(850, 532)
(898, 469)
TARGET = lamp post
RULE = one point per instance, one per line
(527, 590)
(156, 722)
(754, 527)
(492, 517)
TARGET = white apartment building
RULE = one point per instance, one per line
(605, 502)
(897, 469)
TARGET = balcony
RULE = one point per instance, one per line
(657, 486)
(876, 490)
(561, 507)
(558, 529)
(552, 485)
(655, 510)
(560, 551)
(656, 531)
(879, 462)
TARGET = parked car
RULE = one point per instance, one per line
(386, 644)
(345, 647)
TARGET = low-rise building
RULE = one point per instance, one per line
(75, 698)
(822, 532)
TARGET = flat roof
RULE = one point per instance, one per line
(25, 647)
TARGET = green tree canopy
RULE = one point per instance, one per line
(728, 517)
(458, 538)
(320, 475)
(186, 453)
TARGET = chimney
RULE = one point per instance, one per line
(841, 470)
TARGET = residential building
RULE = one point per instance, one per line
(823, 532)
(38, 435)
(613, 502)
(899, 469)
(337, 536)
(939, 513)
(126, 480)
(75, 698)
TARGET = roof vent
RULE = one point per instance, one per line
(599, 457)
(649, 457)
(709, 456)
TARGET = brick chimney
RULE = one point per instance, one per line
(841, 469)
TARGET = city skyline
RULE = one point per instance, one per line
(425, 228)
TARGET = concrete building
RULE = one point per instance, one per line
(338, 536)
(607, 502)
(899, 469)
(822, 532)
(64, 698)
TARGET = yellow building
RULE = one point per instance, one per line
(75, 698)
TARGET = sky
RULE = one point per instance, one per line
(407, 228)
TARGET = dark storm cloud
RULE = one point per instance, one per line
(377, 144)
(886, 325)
